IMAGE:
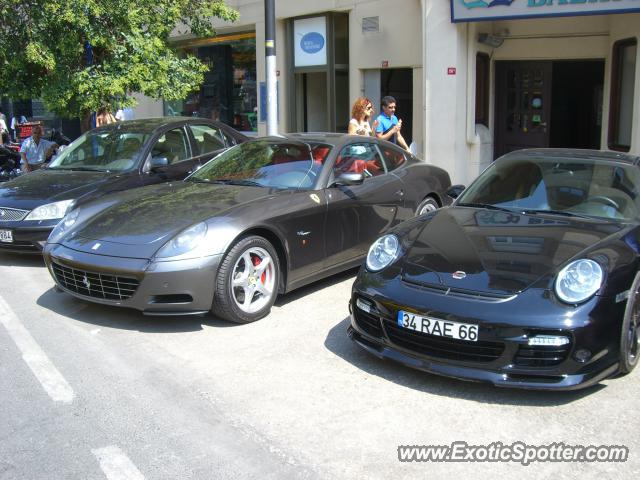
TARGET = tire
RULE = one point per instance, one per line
(630, 329)
(244, 291)
(428, 205)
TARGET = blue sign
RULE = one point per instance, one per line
(312, 42)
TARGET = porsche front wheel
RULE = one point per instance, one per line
(247, 281)
(630, 329)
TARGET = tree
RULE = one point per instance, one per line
(81, 55)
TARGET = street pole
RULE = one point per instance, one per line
(270, 54)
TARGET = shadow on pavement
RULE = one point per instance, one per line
(130, 319)
(8, 259)
(339, 343)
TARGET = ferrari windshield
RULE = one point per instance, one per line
(262, 163)
(114, 150)
(567, 186)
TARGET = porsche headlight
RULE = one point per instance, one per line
(50, 211)
(383, 251)
(64, 225)
(184, 242)
(578, 281)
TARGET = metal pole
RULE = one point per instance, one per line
(270, 54)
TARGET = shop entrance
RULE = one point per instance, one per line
(548, 104)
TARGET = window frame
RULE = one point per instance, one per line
(615, 99)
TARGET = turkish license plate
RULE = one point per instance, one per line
(438, 327)
(6, 236)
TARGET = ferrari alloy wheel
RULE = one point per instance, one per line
(429, 204)
(630, 329)
(247, 283)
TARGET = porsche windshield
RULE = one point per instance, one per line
(112, 150)
(261, 164)
(566, 186)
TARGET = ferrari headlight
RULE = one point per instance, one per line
(383, 251)
(50, 211)
(184, 242)
(578, 281)
(64, 225)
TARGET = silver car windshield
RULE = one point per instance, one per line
(581, 186)
(113, 151)
(262, 164)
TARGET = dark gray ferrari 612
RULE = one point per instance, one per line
(262, 218)
(115, 157)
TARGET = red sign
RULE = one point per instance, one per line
(385, 64)
(451, 71)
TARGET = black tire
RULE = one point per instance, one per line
(245, 300)
(429, 204)
(629, 330)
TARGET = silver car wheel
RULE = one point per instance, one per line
(253, 280)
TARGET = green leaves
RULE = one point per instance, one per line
(44, 51)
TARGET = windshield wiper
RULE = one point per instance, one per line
(488, 206)
(249, 183)
(79, 169)
(563, 213)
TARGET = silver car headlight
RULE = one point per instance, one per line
(578, 281)
(64, 225)
(383, 251)
(184, 242)
(50, 211)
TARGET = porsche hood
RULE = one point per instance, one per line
(494, 252)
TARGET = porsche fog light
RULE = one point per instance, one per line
(50, 211)
(582, 355)
(578, 281)
(383, 251)
(185, 241)
(548, 340)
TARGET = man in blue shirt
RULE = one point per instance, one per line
(35, 150)
(388, 124)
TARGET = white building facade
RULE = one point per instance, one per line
(473, 78)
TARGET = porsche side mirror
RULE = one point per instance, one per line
(157, 163)
(349, 178)
(454, 191)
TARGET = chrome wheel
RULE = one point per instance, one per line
(253, 280)
(428, 205)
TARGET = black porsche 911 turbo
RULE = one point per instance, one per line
(262, 218)
(530, 279)
(114, 157)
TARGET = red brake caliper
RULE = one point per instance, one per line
(256, 261)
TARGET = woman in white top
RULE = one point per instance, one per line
(361, 112)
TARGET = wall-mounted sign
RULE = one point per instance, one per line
(310, 41)
(451, 71)
(482, 10)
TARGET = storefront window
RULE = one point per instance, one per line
(623, 76)
(228, 92)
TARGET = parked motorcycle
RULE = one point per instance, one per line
(9, 162)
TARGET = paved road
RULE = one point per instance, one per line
(89, 392)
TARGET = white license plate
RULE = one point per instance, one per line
(437, 327)
(6, 236)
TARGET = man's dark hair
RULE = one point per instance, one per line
(388, 100)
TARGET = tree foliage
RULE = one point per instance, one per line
(79, 55)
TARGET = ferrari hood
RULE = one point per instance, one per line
(494, 252)
(144, 219)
